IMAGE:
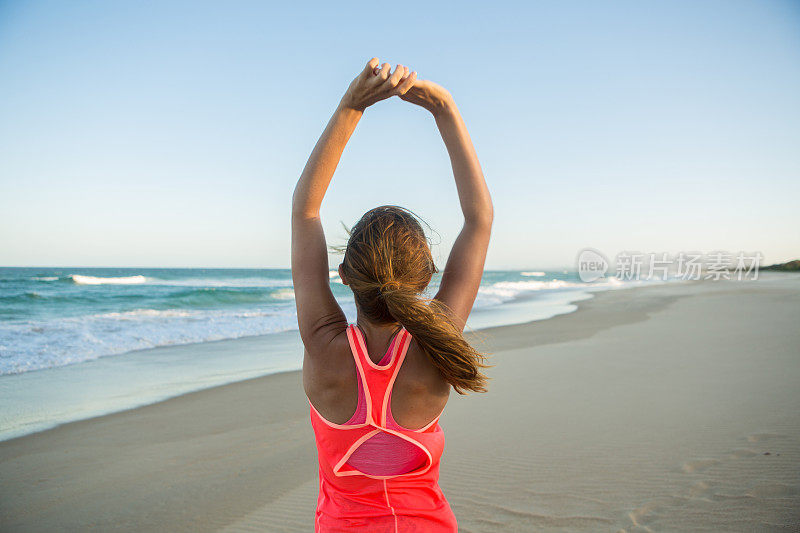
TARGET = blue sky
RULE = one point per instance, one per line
(172, 134)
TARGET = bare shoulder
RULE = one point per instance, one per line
(328, 364)
(420, 392)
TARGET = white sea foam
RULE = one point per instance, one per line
(184, 282)
(136, 314)
(39, 344)
(506, 291)
(283, 294)
(533, 274)
(92, 280)
(220, 282)
(46, 278)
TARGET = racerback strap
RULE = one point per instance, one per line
(377, 380)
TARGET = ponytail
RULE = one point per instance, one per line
(430, 323)
(388, 264)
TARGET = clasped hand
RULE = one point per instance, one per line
(375, 83)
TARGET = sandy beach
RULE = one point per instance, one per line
(667, 408)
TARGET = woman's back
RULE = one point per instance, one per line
(419, 393)
(373, 471)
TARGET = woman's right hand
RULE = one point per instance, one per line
(429, 95)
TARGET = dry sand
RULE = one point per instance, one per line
(668, 408)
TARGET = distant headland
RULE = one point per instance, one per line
(790, 266)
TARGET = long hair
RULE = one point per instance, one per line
(388, 264)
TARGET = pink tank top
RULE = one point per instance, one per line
(352, 499)
(384, 454)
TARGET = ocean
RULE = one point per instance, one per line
(80, 342)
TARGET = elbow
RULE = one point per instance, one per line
(304, 213)
(302, 209)
(490, 214)
(482, 217)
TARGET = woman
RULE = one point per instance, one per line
(377, 388)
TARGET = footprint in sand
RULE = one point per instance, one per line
(659, 506)
(742, 453)
(696, 466)
(700, 488)
(703, 489)
(773, 490)
(761, 437)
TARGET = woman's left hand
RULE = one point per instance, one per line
(373, 84)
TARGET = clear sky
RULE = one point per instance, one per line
(173, 133)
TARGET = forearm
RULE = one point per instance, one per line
(476, 202)
(318, 172)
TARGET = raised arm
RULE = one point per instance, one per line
(318, 312)
(462, 274)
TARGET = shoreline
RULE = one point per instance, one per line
(596, 419)
(50, 324)
(39, 400)
(288, 340)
